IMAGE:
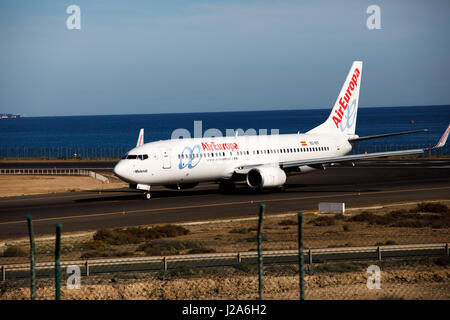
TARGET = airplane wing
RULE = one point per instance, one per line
(355, 157)
(384, 135)
(350, 158)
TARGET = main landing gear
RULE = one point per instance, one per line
(147, 195)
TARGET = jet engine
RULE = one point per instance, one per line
(266, 177)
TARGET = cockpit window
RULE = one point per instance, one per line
(142, 156)
(132, 156)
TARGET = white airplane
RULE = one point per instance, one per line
(264, 161)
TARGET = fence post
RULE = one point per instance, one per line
(3, 273)
(379, 253)
(446, 249)
(58, 262)
(32, 258)
(300, 256)
(87, 268)
(165, 263)
(262, 207)
(239, 257)
(310, 256)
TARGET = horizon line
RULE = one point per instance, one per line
(269, 110)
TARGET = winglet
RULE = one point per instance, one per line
(443, 139)
(140, 140)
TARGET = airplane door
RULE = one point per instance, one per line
(166, 158)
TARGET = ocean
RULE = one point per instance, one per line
(113, 135)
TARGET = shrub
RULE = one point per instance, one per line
(14, 251)
(339, 267)
(168, 247)
(288, 223)
(405, 218)
(433, 207)
(364, 216)
(323, 221)
(105, 253)
(135, 235)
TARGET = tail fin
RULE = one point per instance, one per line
(443, 139)
(343, 115)
(140, 140)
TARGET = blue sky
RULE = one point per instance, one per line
(134, 57)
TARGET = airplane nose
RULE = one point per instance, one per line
(119, 170)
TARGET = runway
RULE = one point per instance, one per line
(369, 183)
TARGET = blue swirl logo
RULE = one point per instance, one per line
(350, 116)
(190, 157)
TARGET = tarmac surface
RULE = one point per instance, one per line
(368, 183)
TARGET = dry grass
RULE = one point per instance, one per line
(17, 185)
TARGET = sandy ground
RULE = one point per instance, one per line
(431, 284)
(17, 185)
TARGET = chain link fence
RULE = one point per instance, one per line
(118, 152)
(63, 152)
(390, 252)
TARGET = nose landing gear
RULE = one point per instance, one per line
(146, 188)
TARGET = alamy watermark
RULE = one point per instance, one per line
(74, 280)
(374, 281)
(183, 133)
(73, 22)
(374, 20)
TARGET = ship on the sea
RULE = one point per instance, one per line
(11, 116)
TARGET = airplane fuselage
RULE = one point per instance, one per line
(211, 159)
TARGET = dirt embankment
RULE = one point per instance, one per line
(17, 185)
